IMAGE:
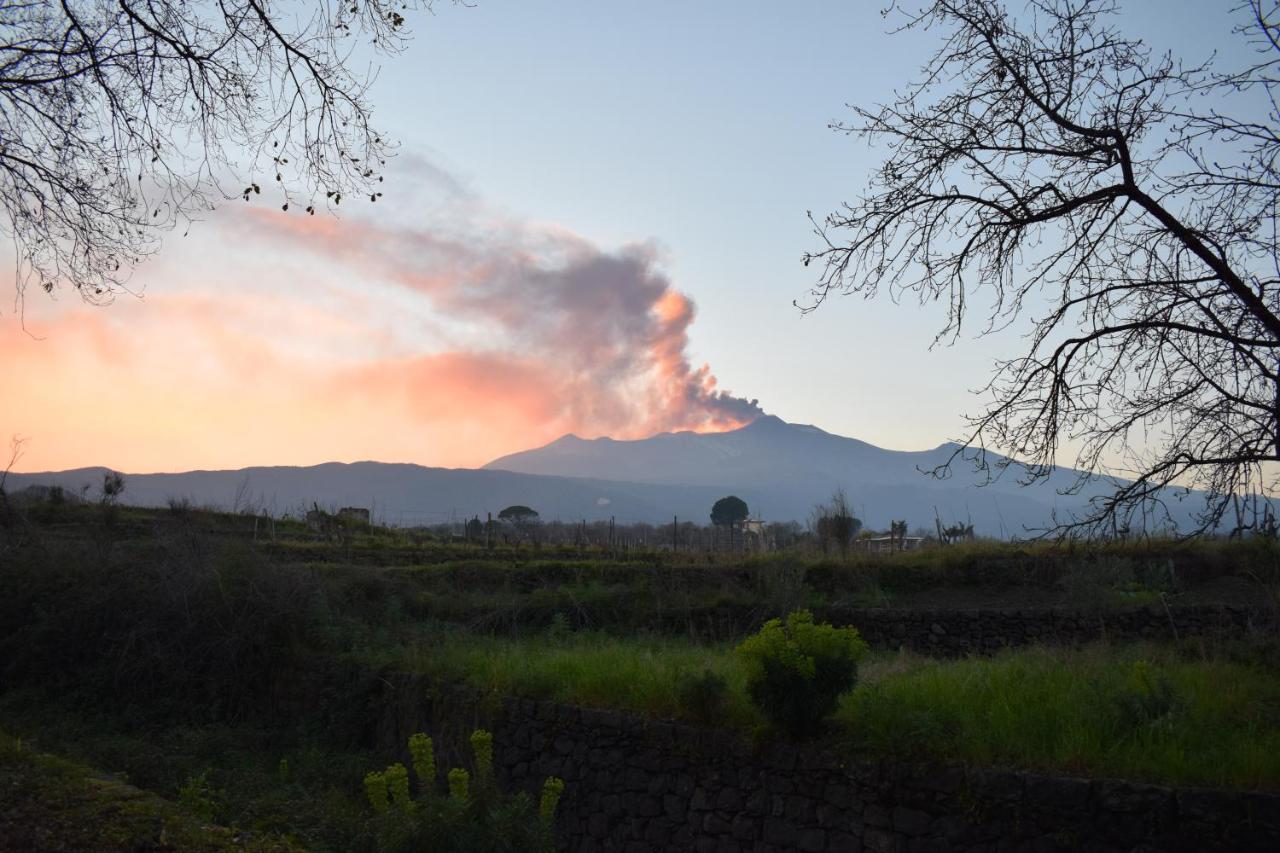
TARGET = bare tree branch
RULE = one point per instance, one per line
(120, 119)
(1122, 203)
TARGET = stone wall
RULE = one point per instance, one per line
(642, 785)
(952, 633)
(943, 633)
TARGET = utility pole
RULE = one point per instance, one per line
(675, 533)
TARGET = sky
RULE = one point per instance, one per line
(594, 225)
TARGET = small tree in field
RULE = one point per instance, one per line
(834, 524)
(524, 519)
(518, 514)
(729, 512)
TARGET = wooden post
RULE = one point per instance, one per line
(675, 533)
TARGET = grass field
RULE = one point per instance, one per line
(177, 627)
(1138, 711)
(50, 803)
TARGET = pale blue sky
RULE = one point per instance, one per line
(450, 327)
(703, 127)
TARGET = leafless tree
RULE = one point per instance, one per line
(16, 447)
(833, 523)
(1123, 206)
(120, 119)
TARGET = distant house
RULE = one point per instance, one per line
(888, 544)
(354, 513)
(317, 519)
(754, 535)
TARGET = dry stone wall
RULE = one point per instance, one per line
(949, 633)
(640, 785)
(955, 633)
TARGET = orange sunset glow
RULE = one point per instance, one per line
(317, 341)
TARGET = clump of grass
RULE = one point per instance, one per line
(1135, 712)
(53, 803)
(643, 674)
(1140, 712)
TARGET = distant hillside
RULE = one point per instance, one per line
(397, 493)
(783, 469)
(780, 469)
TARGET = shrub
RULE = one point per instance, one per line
(552, 789)
(398, 786)
(703, 698)
(459, 785)
(482, 750)
(375, 788)
(424, 762)
(199, 797)
(186, 628)
(797, 670)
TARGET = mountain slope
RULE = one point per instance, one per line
(397, 493)
(783, 469)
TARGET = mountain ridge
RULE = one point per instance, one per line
(782, 470)
(791, 467)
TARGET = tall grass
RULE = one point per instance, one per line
(1135, 712)
(591, 669)
(1138, 712)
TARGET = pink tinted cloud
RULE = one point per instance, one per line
(605, 332)
(239, 356)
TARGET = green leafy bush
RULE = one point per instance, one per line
(552, 789)
(482, 752)
(423, 751)
(797, 670)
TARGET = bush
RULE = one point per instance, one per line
(188, 627)
(703, 698)
(797, 670)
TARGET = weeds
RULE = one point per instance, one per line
(1091, 711)
(471, 818)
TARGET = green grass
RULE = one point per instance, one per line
(170, 619)
(590, 669)
(317, 805)
(1140, 712)
(1135, 712)
(51, 803)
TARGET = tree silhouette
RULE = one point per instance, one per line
(729, 511)
(120, 120)
(898, 534)
(1123, 203)
(518, 514)
(834, 523)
